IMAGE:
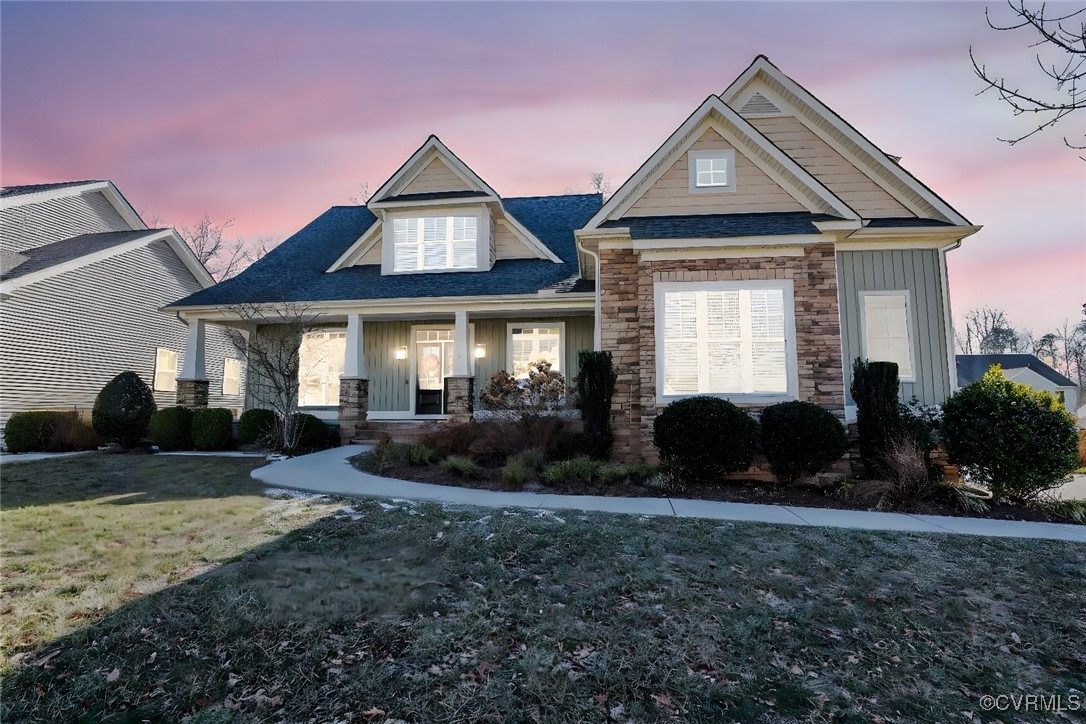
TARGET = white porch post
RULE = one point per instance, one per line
(354, 363)
(194, 352)
(461, 350)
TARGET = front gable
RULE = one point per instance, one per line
(753, 190)
(873, 179)
(437, 177)
(664, 186)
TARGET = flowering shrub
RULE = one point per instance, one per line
(544, 389)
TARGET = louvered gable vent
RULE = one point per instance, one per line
(759, 105)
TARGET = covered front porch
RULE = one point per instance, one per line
(396, 366)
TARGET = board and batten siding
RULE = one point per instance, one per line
(391, 383)
(754, 190)
(918, 271)
(33, 225)
(64, 337)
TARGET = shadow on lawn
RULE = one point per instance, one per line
(457, 615)
(140, 478)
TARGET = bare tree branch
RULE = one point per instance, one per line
(1068, 75)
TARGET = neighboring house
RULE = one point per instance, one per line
(763, 247)
(81, 286)
(1025, 369)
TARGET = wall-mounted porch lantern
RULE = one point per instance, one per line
(480, 351)
(401, 353)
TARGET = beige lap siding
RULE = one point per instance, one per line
(629, 329)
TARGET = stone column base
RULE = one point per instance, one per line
(354, 406)
(459, 399)
(192, 393)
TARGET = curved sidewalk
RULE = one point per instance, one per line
(329, 472)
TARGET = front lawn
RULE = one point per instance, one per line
(420, 613)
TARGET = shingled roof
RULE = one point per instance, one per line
(65, 250)
(9, 191)
(719, 226)
(971, 367)
(296, 270)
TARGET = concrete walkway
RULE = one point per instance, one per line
(329, 472)
(31, 457)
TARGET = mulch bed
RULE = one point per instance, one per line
(806, 496)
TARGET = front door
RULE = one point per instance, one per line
(433, 363)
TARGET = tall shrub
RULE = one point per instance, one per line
(595, 388)
(256, 425)
(875, 391)
(48, 431)
(1017, 441)
(123, 409)
(703, 437)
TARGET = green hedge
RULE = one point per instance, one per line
(701, 438)
(875, 389)
(801, 438)
(256, 425)
(171, 428)
(211, 429)
(48, 431)
(312, 432)
(595, 388)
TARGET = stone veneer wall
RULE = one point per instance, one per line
(193, 393)
(354, 405)
(459, 399)
(628, 312)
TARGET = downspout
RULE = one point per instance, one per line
(952, 367)
(597, 323)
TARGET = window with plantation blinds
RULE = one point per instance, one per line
(726, 341)
(886, 330)
(434, 243)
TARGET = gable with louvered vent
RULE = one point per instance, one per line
(759, 105)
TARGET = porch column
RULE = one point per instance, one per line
(354, 385)
(192, 385)
(460, 386)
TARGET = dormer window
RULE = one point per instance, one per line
(712, 171)
(432, 242)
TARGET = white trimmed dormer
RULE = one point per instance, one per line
(435, 215)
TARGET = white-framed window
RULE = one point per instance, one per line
(426, 242)
(231, 376)
(733, 339)
(712, 171)
(320, 363)
(531, 342)
(887, 330)
(165, 370)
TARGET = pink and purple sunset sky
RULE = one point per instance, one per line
(269, 113)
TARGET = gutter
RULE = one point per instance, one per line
(597, 322)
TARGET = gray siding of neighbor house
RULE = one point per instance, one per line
(919, 271)
(64, 337)
(33, 225)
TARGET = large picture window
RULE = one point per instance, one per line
(886, 334)
(529, 343)
(320, 363)
(433, 243)
(726, 338)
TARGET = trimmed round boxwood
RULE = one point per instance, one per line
(801, 438)
(255, 425)
(171, 428)
(1016, 440)
(211, 429)
(312, 432)
(123, 409)
(701, 438)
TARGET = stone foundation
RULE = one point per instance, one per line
(192, 393)
(628, 315)
(354, 406)
(459, 399)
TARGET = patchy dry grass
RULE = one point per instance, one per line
(426, 614)
(83, 535)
